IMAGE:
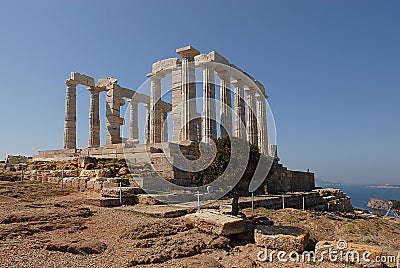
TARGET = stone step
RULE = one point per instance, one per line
(161, 211)
(109, 202)
(125, 191)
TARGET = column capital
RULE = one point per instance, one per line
(94, 89)
(260, 97)
(71, 83)
(237, 83)
(155, 76)
(250, 90)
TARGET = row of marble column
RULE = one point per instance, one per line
(70, 116)
(112, 117)
(249, 112)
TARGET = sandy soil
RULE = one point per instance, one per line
(45, 226)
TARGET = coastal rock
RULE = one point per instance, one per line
(380, 204)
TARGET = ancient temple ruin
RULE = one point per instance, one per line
(248, 122)
(241, 105)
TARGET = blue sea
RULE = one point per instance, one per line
(361, 194)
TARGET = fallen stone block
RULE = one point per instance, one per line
(125, 191)
(147, 199)
(216, 223)
(286, 238)
(161, 211)
(364, 255)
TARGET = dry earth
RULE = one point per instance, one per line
(45, 226)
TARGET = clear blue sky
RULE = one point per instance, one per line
(331, 68)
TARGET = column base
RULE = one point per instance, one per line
(188, 143)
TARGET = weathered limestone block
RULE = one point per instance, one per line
(68, 181)
(166, 64)
(352, 252)
(133, 182)
(67, 173)
(285, 238)
(95, 183)
(90, 183)
(331, 192)
(82, 183)
(336, 200)
(147, 199)
(95, 173)
(54, 180)
(85, 160)
(216, 223)
(126, 192)
(211, 57)
(105, 82)
(76, 182)
(114, 182)
(82, 79)
(123, 171)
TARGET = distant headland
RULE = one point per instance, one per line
(386, 186)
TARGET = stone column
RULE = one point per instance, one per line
(262, 124)
(164, 131)
(251, 116)
(94, 117)
(209, 113)
(199, 128)
(155, 110)
(188, 91)
(147, 124)
(226, 104)
(188, 102)
(133, 124)
(113, 119)
(240, 120)
(176, 102)
(70, 116)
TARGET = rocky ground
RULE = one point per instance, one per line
(45, 226)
